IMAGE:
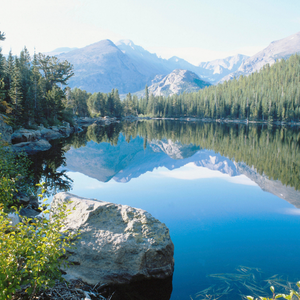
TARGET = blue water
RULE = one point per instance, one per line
(217, 222)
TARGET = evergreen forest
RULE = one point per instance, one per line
(273, 94)
(33, 91)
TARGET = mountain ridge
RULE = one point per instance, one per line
(104, 66)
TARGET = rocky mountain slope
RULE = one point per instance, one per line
(213, 71)
(176, 82)
(283, 48)
(102, 67)
(127, 67)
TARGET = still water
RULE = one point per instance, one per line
(228, 194)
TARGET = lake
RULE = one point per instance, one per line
(228, 193)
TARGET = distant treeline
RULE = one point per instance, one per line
(273, 94)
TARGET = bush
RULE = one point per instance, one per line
(32, 252)
(14, 176)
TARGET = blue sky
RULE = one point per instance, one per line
(197, 30)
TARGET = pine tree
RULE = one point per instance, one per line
(15, 92)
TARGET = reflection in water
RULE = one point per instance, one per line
(129, 150)
(45, 168)
(219, 219)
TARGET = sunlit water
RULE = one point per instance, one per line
(218, 222)
(231, 238)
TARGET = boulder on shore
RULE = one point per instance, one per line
(32, 147)
(118, 244)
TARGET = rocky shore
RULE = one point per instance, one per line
(32, 141)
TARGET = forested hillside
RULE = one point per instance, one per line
(31, 90)
(273, 94)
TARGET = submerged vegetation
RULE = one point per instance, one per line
(248, 281)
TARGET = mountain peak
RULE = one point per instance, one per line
(126, 42)
(283, 48)
(177, 82)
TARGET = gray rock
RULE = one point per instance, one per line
(25, 135)
(118, 244)
(50, 134)
(29, 212)
(5, 130)
(32, 147)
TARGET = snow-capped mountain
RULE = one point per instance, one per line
(213, 71)
(283, 48)
(101, 67)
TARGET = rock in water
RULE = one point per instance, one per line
(118, 244)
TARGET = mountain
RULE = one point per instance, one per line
(176, 82)
(213, 71)
(148, 64)
(151, 65)
(283, 48)
(127, 67)
(102, 67)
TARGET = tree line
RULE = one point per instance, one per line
(31, 92)
(272, 94)
(31, 88)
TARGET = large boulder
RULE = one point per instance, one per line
(118, 244)
(5, 130)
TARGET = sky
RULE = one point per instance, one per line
(196, 30)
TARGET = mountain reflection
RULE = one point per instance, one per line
(128, 150)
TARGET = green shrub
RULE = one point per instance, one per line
(32, 252)
(14, 176)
